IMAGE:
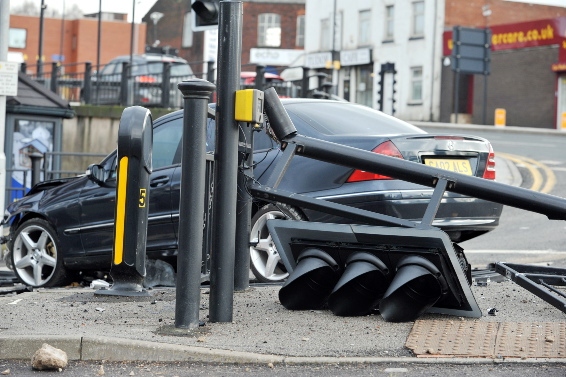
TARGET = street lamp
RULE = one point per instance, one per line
(155, 17)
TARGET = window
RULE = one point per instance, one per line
(269, 30)
(17, 38)
(389, 13)
(187, 40)
(166, 139)
(325, 41)
(418, 19)
(416, 84)
(364, 85)
(300, 40)
(364, 28)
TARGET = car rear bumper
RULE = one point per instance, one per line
(456, 213)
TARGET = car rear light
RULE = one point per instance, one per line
(146, 79)
(489, 172)
(388, 149)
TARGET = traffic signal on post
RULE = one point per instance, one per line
(205, 14)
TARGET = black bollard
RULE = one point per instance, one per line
(135, 139)
(196, 93)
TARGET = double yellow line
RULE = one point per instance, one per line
(534, 167)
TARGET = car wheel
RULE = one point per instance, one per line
(35, 255)
(265, 261)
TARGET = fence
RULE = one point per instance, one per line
(51, 165)
(151, 83)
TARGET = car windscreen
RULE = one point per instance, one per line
(339, 118)
(177, 69)
(180, 69)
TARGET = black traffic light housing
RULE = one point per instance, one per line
(403, 272)
(205, 14)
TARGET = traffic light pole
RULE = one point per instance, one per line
(226, 172)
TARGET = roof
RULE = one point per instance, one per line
(35, 99)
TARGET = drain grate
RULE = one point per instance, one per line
(487, 339)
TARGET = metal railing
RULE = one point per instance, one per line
(152, 84)
(23, 179)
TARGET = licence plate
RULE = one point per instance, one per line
(457, 166)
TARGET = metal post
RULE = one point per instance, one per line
(165, 84)
(484, 117)
(87, 83)
(36, 158)
(456, 96)
(225, 178)
(54, 77)
(24, 67)
(40, 50)
(321, 78)
(210, 75)
(305, 83)
(210, 71)
(124, 84)
(4, 41)
(196, 93)
(243, 209)
(260, 77)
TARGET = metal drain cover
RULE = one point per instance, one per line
(487, 339)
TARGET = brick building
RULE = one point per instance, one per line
(391, 55)
(270, 28)
(528, 65)
(76, 40)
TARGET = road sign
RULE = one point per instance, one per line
(8, 79)
(472, 50)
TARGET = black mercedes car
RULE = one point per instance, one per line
(65, 226)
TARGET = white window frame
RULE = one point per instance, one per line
(267, 21)
(389, 23)
(187, 37)
(16, 39)
(325, 34)
(364, 27)
(300, 36)
(416, 85)
(418, 18)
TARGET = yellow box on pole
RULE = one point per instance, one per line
(563, 121)
(249, 106)
(500, 117)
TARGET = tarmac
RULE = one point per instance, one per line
(117, 328)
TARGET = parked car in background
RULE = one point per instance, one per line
(62, 227)
(145, 78)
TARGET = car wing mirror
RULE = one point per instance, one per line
(97, 173)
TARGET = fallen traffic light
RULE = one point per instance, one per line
(310, 283)
(360, 287)
(417, 286)
(430, 273)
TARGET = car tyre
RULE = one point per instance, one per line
(35, 255)
(265, 261)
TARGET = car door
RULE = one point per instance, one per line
(98, 200)
(176, 182)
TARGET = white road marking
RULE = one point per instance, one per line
(529, 252)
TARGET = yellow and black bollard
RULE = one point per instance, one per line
(135, 139)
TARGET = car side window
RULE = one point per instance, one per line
(262, 141)
(166, 140)
(108, 69)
